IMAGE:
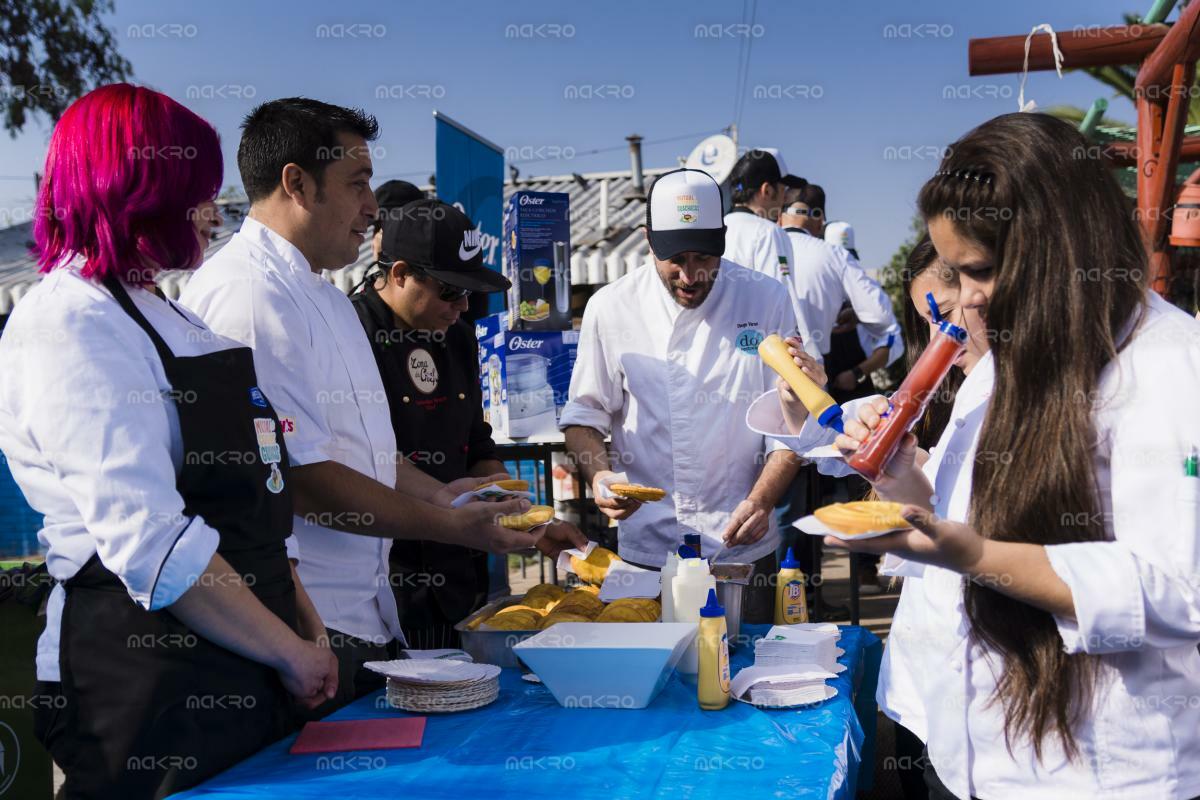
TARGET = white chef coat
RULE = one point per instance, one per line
(892, 340)
(826, 276)
(760, 245)
(315, 365)
(1136, 597)
(672, 385)
(93, 440)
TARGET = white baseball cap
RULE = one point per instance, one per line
(684, 213)
(841, 234)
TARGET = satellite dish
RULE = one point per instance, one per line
(716, 155)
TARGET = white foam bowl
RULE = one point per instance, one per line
(606, 665)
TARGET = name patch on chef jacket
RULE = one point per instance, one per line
(268, 440)
(422, 370)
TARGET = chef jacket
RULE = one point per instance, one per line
(760, 245)
(91, 434)
(826, 276)
(1136, 596)
(672, 385)
(432, 382)
(315, 365)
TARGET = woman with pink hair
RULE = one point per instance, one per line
(178, 628)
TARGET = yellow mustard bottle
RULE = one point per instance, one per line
(791, 602)
(713, 688)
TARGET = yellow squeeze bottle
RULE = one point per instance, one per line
(791, 602)
(774, 351)
(713, 689)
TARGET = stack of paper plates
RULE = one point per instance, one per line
(436, 686)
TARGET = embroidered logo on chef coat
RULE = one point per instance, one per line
(268, 440)
(422, 370)
(688, 208)
(275, 480)
(748, 340)
(257, 398)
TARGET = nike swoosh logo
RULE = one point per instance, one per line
(466, 255)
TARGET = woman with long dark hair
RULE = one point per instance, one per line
(1060, 613)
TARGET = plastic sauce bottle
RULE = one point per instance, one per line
(791, 601)
(692, 540)
(774, 351)
(690, 590)
(669, 570)
(908, 404)
(713, 688)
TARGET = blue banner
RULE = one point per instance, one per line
(470, 175)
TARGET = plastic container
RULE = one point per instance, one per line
(603, 665)
(689, 594)
(774, 351)
(791, 601)
(669, 570)
(909, 402)
(712, 688)
(693, 541)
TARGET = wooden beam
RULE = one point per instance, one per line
(1180, 46)
(1083, 47)
(1125, 154)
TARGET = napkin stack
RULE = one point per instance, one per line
(791, 665)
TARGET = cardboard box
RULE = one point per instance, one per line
(537, 260)
(525, 376)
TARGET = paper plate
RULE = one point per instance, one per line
(830, 691)
(814, 527)
(824, 451)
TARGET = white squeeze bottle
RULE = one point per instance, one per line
(689, 592)
(669, 570)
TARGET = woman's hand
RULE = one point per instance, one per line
(902, 480)
(795, 412)
(309, 673)
(941, 543)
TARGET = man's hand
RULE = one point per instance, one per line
(478, 522)
(613, 507)
(309, 673)
(445, 496)
(749, 522)
(559, 536)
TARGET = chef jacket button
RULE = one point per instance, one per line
(462, 396)
(958, 423)
(405, 398)
(933, 498)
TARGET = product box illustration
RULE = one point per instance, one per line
(525, 376)
(537, 259)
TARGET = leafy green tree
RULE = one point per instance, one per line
(51, 52)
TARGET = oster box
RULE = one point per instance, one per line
(537, 259)
(525, 376)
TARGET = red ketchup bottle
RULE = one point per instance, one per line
(908, 404)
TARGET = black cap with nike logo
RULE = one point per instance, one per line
(438, 239)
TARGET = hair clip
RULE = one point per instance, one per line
(965, 175)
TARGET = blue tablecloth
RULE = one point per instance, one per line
(527, 746)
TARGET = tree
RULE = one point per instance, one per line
(51, 52)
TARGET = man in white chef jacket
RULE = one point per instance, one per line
(759, 184)
(667, 367)
(306, 168)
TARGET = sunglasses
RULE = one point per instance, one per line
(446, 292)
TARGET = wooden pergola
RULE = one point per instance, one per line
(1167, 55)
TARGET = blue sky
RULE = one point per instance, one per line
(858, 111)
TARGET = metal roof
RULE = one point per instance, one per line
(606, 237)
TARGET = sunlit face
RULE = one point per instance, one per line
(945, 293)
(974, 266)
(689, 277)
(415, 299)
(344, 207)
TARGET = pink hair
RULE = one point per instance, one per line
(126, 168)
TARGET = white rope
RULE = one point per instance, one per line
(1058, 62)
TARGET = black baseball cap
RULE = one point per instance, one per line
(393, 195)
(438, 239)
(765, 165)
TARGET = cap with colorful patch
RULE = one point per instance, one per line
(684, 213)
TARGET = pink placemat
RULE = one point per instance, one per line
(360, 734)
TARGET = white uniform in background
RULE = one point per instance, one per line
(760, 245)
(1136, 595)
(314, 363)
(672, 385)
(826, 277)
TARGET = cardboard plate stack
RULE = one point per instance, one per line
(435, 686)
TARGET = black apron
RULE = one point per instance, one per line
(151, 707)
